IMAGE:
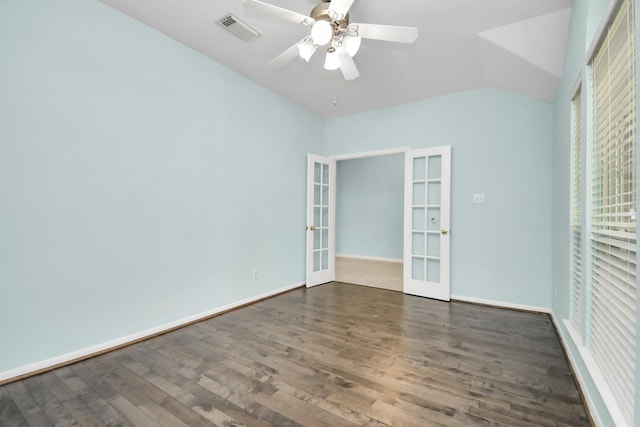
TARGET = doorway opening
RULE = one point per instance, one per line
(425, 200)
(369, 218)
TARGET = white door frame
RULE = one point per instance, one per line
(314, 279)
(375, 153)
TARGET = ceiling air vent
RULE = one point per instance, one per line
(239, 27)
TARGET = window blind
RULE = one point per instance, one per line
(613, 225)
(577, 287)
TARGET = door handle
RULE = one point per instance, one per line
(444, 231)
(311, 227)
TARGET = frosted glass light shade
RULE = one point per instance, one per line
(351, 44)
(321, 33)
(331, 61)
(306, 49)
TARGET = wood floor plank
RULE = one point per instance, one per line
(30, 410)
(9, 412)
(55, 411)
(132, 413)
(163, 417)
(67, 389)
(241, 407)
(332, 355)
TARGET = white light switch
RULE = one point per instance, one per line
(478, 198)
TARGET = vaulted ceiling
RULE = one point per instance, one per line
(514, 45)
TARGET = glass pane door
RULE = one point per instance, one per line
(320, 220)
(426, 222)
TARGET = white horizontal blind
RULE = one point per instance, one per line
(577, 288)
(613, 191)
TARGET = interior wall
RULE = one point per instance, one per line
(501, 146)
(370, 206)
(140, 182)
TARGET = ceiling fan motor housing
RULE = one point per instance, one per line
(321, 13)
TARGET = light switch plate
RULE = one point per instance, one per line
(478, 198)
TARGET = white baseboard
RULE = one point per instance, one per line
(84, 353)
(502, 304)
(369, 258)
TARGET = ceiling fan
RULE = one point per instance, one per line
(330, 26)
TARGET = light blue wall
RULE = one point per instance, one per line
(595, 10)
(369, 206)
(585, 20)
(140, 182)
(501, 146)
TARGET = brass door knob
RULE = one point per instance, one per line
(311, 227)
(444, 231)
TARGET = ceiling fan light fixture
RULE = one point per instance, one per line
(321, 33)
(306, 49)
(352, 44)
(331, 61)
(330, 27)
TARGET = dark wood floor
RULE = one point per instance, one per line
(334, 355)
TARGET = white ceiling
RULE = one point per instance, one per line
(514, 45)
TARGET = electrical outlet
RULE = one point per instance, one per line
(478, 198)
(254, 274)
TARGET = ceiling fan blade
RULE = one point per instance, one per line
(340, 7)
(388, 33)
(347, 66)
(278, 12)
(287, 56)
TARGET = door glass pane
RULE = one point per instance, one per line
(316, 260)
(325, 260)
(433, 270)
(417, 244)
(434, 193)
(325, 195)
(317, 172)
(433, 244)
(325, 217)
(317, 244)
(433, 219)
(316, 194)
(325, 238)
(417, 268)
(418, 193)
(418, 219)
(419, 168)
(316, 217)
(325, 174)
(435, 167)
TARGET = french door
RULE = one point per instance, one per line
(426, 222)
(321, 198)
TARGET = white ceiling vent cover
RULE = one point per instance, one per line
(239, 27)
